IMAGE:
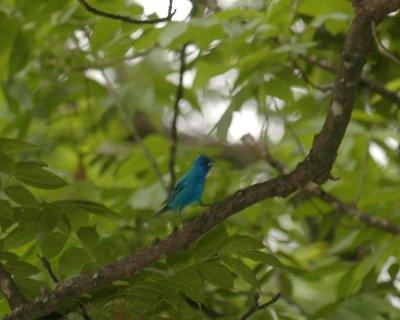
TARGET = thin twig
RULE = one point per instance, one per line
(257, 306)
(10, 290)
(174, 131)
(126, 19)
(47, 266)
(385, 51)
(125, 117)
(304, 76)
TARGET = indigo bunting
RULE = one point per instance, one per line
(189, 188)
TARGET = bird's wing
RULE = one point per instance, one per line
(180, 185)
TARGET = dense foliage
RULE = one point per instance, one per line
(78, 189)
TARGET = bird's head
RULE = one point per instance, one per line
(203, 162)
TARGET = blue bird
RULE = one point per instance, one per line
(189, 188)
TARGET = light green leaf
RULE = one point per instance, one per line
(223, 124)
(171, 32)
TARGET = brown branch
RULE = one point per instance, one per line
(10, 290)
(381, 46)
(365, 81)
(46, 264)
(315, 168)
(174, 131)
(257, 306)
(349, 209)
(126, 19)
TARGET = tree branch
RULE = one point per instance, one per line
(316, 167)
(349, 209)
(256, 306)
(126, 19)
(47, 266)
(174, 131)
(382, 48)
(14, 297)
(364, 81)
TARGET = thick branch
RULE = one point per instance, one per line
(10, 290)
(126, 19)
(316, 167)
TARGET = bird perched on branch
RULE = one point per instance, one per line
(189, 188)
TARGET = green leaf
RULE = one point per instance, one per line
(223, 124)
(8, 31)
(20, 53)
(53, 244)
(89, 206)
(210, 243)
(15, 146)
(21, 196)
(6, 211)
(269, 260)
(6, 163)
(20, 236)
(88, 236)
(19, 268)
(72, 261)
(216, 274)
(242, 270)
(171, 32)
(240, 243)
(190, 282)
(29, 165)
(40, 178)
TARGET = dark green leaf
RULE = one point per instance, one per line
(13, 146)
(53, 244)
(72, 261)
(242, 270)
(21, 196)
(89, 206)
(240, 243)
(210, 243)
(88, 236)
(40, 178)
(6, 163)
(216, 274)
